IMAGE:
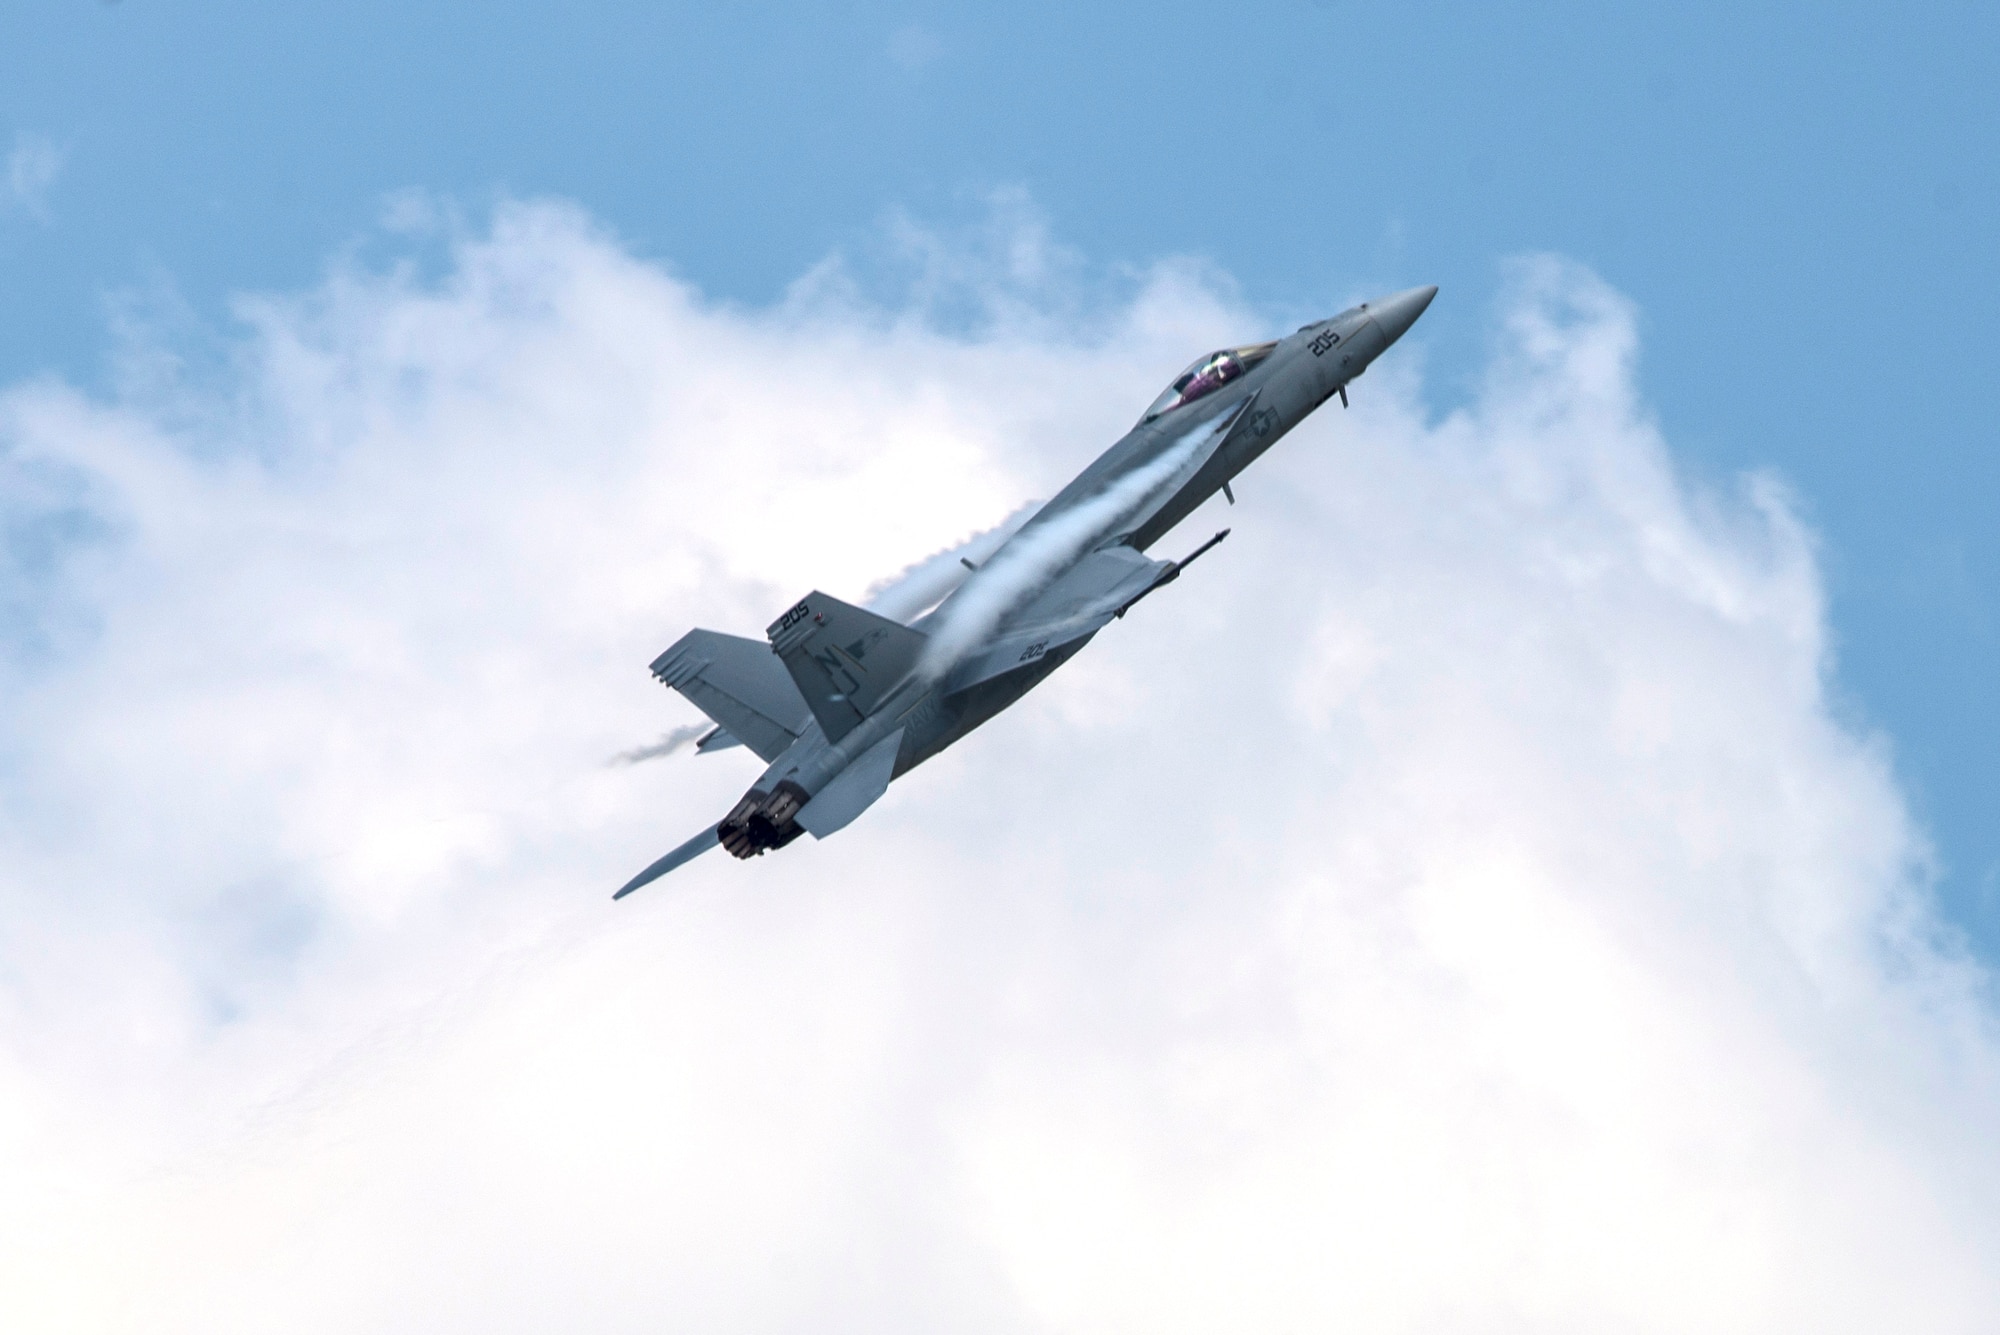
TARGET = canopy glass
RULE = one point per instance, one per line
(1207, 375)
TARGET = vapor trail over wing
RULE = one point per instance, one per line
(1051, 543)
(920, 586)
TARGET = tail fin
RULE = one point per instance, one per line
(844, 660)
(740, 685)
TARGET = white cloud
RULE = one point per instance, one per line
(32, 168)
(1453, 906)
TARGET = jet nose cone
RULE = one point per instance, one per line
(1394, 315)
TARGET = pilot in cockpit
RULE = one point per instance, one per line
(1208, 375)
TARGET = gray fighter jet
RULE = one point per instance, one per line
(840, 700)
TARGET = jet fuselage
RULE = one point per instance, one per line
(1045, 592)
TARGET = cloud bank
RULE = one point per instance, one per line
(1454, 906)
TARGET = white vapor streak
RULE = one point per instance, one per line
(673, 741)
(1024, 567)
(920, 586)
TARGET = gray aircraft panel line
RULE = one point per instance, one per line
(839, 701)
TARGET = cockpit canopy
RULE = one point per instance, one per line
(1207, 375)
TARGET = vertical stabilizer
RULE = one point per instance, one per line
(844, 660)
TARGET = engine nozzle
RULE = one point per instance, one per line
(763, 820)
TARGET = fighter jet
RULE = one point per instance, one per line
(839, 700)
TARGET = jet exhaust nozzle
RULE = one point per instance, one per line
(763, 820)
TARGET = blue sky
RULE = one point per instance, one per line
(1462, 901)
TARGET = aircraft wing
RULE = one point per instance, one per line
(1077, 605)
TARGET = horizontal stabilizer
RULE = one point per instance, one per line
(844, 660)
(738, 683)
(853, 790)
(687, 852)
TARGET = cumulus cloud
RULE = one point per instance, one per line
(1453, 906)
(32, 167)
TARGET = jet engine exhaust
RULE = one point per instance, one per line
(763, 820)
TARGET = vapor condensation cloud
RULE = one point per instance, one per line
(1454, 906)
(674, 739)
(1020, 571)
(920, 586)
